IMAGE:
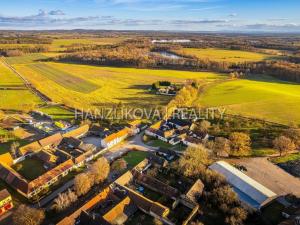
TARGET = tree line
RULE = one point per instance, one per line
(11, 51)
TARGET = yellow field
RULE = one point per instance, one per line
(57, 44)
(233, 56)
(83, 86)
(13, 93)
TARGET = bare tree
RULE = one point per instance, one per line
(64, 200)
(193, 161)
(82, 184)
(119, 165)
(100, 170)
(294, 135)
(240, 144)
(204, 126)
(25, 215)
(221, 147)
(284, 145)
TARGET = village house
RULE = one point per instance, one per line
(156, 160)
(98, 131)
(166, 153)
(115, 138)
(60, 153)
(179, 123)
(118, 202)
(175, 131)
(192, 142)
(6, 203)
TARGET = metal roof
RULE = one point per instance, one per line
(243, 184)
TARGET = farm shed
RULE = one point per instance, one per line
(250, 192)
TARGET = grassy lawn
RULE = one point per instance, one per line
(30, 168)
(5, 147)
(257, 97)
(104, 86)
(261, 152)
(159, 143)
(233, 56)
(284, 159)
(57, 112)
(134, 157)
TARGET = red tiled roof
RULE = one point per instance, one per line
(12, 178)
(118, 210)
(146, 204)
(78, 132)
(6, 158)
(54, 139)
(70, 220)
(122, 133)
(32, 147)
(43, 179)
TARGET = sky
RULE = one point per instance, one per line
(173, 15)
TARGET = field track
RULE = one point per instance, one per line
(27, 84)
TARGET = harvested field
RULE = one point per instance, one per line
(82, 86)
(64, 79)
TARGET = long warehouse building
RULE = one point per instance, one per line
(250, 192)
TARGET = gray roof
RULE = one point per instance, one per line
(249, 190)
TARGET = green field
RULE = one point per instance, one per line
(287, 158)
(24, 59)
(233, 56)
(57, 112)
(134, 157)
(13, 94)
(263, 97)
(83, 86)
(61, 43)
(262, 152)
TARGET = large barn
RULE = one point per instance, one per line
(250, 192)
